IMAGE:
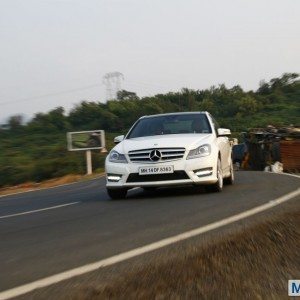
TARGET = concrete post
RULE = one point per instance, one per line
(89, 170)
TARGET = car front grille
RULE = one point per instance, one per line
(166, 154)
(177, 175)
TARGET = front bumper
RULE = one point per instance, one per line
(184, 173)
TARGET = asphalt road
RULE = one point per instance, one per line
(70, 226)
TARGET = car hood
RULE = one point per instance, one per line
(188, 141)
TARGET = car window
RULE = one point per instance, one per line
(171, 124)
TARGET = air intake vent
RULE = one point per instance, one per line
(177, 175)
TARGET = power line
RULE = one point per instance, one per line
(112, 88)
(141, 84)
(50, 94)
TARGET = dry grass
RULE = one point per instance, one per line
(29, 186)
(254, 264)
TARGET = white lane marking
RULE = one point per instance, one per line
(26, 288)
(287, 174)
(38, 210)
(52, 187)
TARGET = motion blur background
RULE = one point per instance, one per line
(175, 56)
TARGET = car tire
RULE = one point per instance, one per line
(218, 186)
(230, 180)
(116, 194)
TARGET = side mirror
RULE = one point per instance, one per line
(119, 139)
(224, 132)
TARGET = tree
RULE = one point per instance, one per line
(264, 88)
(15, 122)
(207, 105)
(285, 79)
(126, 95)
(248, 105)
(54, 120)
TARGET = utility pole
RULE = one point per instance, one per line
(112, 81)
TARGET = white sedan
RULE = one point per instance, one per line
(173, 149)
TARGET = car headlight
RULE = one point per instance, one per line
(116, 157)
(203, 150)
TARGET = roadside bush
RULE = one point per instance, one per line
(12, 175)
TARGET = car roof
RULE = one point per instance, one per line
(175, 113)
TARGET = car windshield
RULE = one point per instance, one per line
(170, 124)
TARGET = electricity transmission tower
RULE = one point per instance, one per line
(112, 82)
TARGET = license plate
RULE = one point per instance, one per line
(156, 170)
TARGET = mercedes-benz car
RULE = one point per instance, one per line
(173, 149)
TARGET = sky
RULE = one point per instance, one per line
(56, 52)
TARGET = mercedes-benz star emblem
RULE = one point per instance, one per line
(155, 155)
